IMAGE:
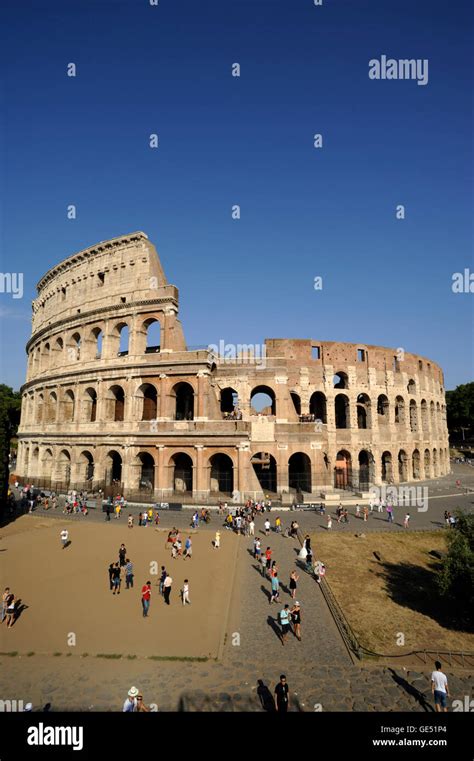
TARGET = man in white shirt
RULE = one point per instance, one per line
(439, 688)
(130, 704)
(64, 537)
(185, 592)
(267, 527)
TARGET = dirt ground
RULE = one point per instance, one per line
(67, 591)
(394, 596)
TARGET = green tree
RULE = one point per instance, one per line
(10, 405)
(456, 578)
(460, 407)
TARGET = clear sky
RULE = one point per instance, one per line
(248, 140)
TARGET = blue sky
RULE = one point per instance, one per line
(223, 140)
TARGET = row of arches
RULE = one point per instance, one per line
(88, 344)
(46, 407)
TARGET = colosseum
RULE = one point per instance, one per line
(115, 399)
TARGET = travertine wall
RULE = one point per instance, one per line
(99, 405)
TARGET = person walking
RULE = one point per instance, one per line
(163, 576)
(389, 509)
(282, 695)
(329, 522)
(122, 555)
(278, 524)
(64, 537)
(5, 597)
(167, 588)
(257, 548)
(252, 527)
(295, 613)
(116, 579)
(406, 520)
(275, 595)
(111, 576)
(357, 511)
(293, 583)
(107, 511)
(268, 560)
(185, 593)
(188, 548)
(146, 595)
(366, 514)
(440, 688)
(267, 527)
(130, 521)
(10, 610)
(285, 623)
(128, 574)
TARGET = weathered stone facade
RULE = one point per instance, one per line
(100, 407)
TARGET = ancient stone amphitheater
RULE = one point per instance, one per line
(115, 399)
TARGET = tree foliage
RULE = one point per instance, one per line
(456, 578)
(10, 405)
(460, 407)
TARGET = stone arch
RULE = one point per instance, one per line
(89, 405)
(115, 403)
(399, 410)
(93, 344)
(299, 472)
(366, 469)
(229, 400)
(113, 467)
(427, 463)
(68, 406)
(146, 462)
(425, 425)
(86, 466)
(182, 472)
(318, 406)
(45, 357)
(296, 399)
(402, 465)
(147, 397)
(119, 340)
(148, 336)
(51, 410)
(342, 411)
(411, 386)
(265, 468)
(383, 409)
(57, 352)
(413, 416)
(364, 414)
(39, 407)
(183, 393)
(343, 470)
(387, 468)
(221, 473)
(340, 380)
(63, 466)
(416, 464)
(34, 469)
(74, 347)
(263, 401)
(47, 463)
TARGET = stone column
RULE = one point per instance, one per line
(282, 469)
(243, 455)
(201, 403)
(161, 485)
(200, 480)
